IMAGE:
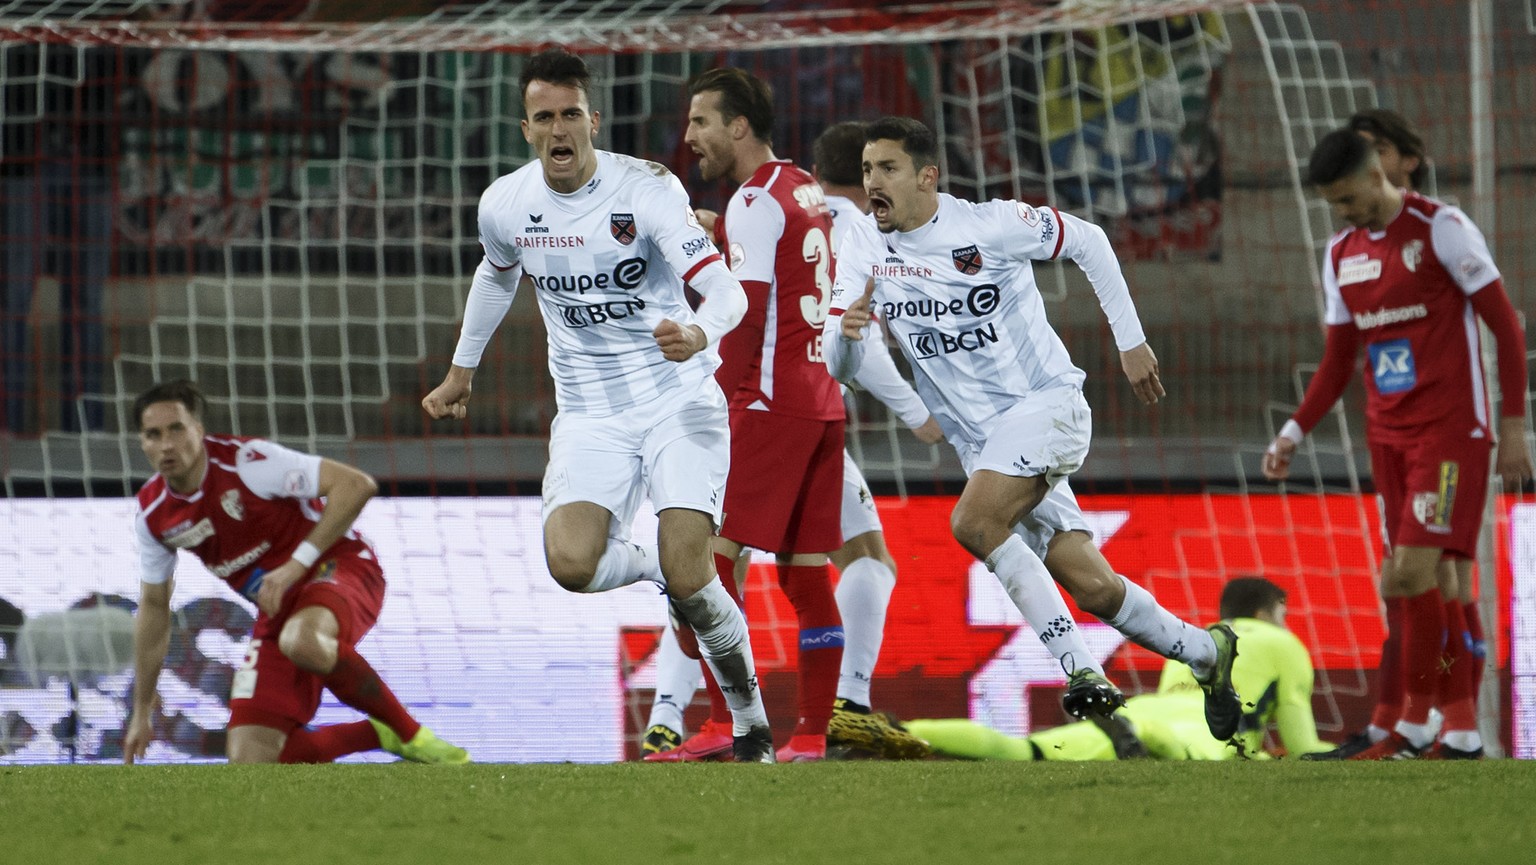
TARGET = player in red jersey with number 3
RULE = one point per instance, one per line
(784, 491)
(252, 512)
(1409, 278)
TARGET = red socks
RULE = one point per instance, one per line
(324, 744)
(1423, 641)
(809, 588)
(1458, 690)
(355, 683)
(1389, 675)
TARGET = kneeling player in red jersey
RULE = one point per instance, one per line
(252, 512)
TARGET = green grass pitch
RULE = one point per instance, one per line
(855, 813)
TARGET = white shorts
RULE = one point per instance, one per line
(1057, 512)
(1047, 433)
(675, 450)
(859, 514)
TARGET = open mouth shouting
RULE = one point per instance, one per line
(880, 207)
(562, 156)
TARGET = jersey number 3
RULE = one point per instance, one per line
(817, 251)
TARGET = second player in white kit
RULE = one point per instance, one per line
(954, 284)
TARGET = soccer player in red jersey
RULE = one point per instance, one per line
(1401, 152)
(1408, 278)
(784, 490)
(252, 511)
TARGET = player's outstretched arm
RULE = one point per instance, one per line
(151, 641)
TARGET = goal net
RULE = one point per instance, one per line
(277, 199)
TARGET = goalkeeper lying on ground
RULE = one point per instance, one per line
(1273, 676)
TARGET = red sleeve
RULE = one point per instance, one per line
(741, 350)
(1332, 375)
(1492, 304)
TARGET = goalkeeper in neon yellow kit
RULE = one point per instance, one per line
(1272, 675)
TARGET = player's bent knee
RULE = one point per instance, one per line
(572, 569)
(1096, 595)
(975, 530)
(307, 648)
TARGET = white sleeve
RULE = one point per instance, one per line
(1046, 234)
(1334, 310)
(490, 296)
(754, 223)
(1462, 250)
(272, 471)
(668, 222)
(878, 375)
(725, 303)
(1088, 246)
(845, 356)
(493, 202)
(157, 562)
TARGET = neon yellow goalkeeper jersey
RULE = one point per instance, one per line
(1273, 677)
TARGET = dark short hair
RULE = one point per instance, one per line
(742, 94)
(1338, 155)
(914, 136)
(1246, 597)
(839, 153)
(1388, 125)
(556, 66)
(183, 391)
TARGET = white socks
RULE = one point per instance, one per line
(1144, 622)
(678, 678)
(1032, 590)
(722, 633)
(863, 593)
(624, 563)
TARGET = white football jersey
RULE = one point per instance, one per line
(958, 295)
(607, 263)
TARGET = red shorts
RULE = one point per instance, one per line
(269, 690)
(1433, 492)
(785, 490)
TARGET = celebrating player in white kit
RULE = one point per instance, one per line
(607, 242)
(953, 282)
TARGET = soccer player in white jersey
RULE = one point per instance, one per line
(1408, 278)
(868, 572)
(607, 242)
(953, 282)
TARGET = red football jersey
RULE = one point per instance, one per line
(257, 503)
(777, 232)
(1406, 289)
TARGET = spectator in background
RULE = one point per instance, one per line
(58, 150)
(1405, 277)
